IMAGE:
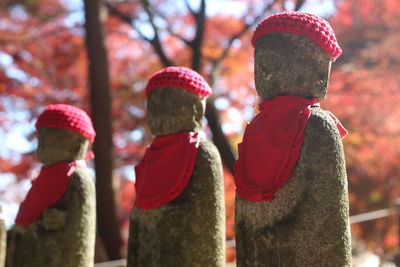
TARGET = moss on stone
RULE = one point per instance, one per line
(57, 145)
(64, 234)
(190, 230)
(290, 64)
(307, 223)
(172, 110)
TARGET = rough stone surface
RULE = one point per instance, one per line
(64, 235)
(3, 239)
(172, 110)
(290, 64)
(307, 223)
(57, 145)
(190, 230)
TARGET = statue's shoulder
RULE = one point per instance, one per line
(208, 149)
(81, 183)
(321, 126)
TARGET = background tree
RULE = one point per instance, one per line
(43, 60)
(108, 225)
(364, 92)
(194, 41)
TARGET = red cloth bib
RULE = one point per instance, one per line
(46, 190)
(166, 168)
(271, 146)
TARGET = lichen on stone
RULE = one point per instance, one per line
(172, 110)
(190, 230)
(307, 223)
(64, 234)
(290, 64)
(57, 145)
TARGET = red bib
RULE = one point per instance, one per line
(46, 190)
(166, 168)
(271, 146)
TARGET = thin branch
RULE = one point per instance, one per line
(299, 4)
(197, 42)
(125, 18)
(155, 41)
(112, 10)
(189, 8)
(146, 6)
(236, 36)
(178, 36)
(169, 27)
(228, 155)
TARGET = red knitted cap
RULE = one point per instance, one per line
(67, 117)
(311, 26)
(179, 77)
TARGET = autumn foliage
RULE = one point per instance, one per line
(43, 61)
(364, 93)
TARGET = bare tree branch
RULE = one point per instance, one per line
(299, 4)
(178, 36)
(155, 41)
(189, 8)
(212, 114)
(221, 142)
(169, 28)
(197, 42)
(246, 27)
(125, 18)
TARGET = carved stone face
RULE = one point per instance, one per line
(172, 110)
(290, 64)
(58, 145)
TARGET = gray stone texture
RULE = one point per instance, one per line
(172, 110)
(64, 234)
(307, 223)
(58, 145)
(3, 240)
(290, 64)
(190, 230)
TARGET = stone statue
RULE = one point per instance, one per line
(178, 218)
(292, 196)
(3, 239)
(55, 225)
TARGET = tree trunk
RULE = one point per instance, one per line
(219, 138)
(107, 213)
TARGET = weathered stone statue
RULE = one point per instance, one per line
(292, 199)
(178, 218)
(3, 239)
(55, 225)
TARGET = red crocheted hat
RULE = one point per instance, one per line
(311, 26)
(179, 77)
(67, 117)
